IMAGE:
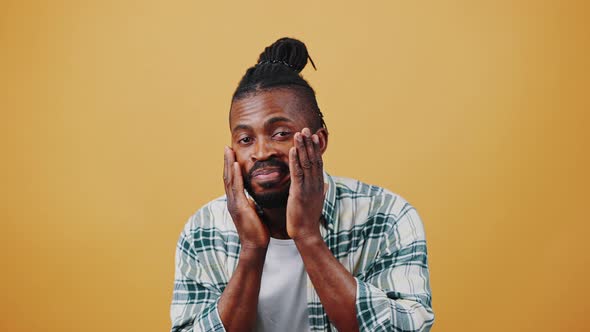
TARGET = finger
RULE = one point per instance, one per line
(319, 163)
(231, 156)
(310, 150)
(229, 160)
(225, 167)
(315, 157)
(302, 152)
(227, 170)
(229, 173)
(295, 170)
(238, 181)
(238, 187)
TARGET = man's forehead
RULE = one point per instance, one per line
(266, 105)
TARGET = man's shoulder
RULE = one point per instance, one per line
(353, 188)
(212, 215)
(375, 199)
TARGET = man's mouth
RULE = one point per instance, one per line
(267, 174)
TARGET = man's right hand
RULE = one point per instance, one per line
(252, 232)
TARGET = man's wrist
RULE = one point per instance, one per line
(309, 239)
(252, 256)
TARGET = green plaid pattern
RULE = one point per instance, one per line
(374, 233)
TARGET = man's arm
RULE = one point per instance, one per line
(394, 290)
(393, 293)
(237, 305)
(196, 291)
(199, 304)
(335, 286)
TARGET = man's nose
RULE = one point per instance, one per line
(263, 149)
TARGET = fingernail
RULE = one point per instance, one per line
(306, 132)
(298, 137)
(315, 139)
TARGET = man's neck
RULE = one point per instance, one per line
(276, 220)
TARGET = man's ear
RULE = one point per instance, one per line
(323, 136)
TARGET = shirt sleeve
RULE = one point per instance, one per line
(195, 296)
(393, 294)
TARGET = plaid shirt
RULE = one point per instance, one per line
(375, 234)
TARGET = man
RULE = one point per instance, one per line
(290, 248)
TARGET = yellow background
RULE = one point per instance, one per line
(114, 118)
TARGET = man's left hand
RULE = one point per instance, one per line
(306, 194)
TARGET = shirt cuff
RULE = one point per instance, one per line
(209, 320)
(372, 307)
(375, 311)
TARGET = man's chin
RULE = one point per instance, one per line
(269, 194)
(271, 199)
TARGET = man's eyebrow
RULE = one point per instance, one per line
(276, 119)
(268, 123)
(241, 127)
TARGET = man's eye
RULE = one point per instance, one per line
(281, 134)
(245, 140)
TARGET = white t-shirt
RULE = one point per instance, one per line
(282, 301)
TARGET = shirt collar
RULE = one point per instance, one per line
(329, 210)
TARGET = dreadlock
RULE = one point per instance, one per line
(279, 66)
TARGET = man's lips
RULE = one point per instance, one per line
(267, 173)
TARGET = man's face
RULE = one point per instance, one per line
(262, 128)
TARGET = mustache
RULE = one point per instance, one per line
(283, 167)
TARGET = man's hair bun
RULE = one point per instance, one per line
(286, 51)
(280, 66)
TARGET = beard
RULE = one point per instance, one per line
(269, 200)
